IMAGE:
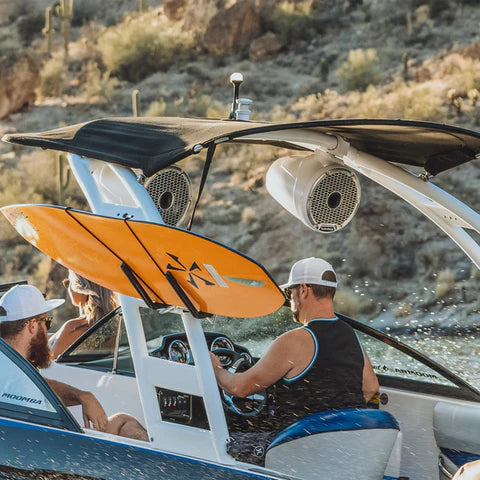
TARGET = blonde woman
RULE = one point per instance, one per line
(93, 302)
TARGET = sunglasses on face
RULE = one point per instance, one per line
(289, 292)
(48, 321)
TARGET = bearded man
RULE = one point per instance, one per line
(24, 324)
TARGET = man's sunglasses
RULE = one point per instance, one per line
(289, 292)
(48, 321)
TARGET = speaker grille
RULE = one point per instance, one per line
(171, 191)
(333, 200)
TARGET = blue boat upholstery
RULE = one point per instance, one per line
(349, 443)
(456, 430)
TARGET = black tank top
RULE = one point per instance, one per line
(332, 380)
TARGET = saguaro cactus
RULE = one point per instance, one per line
(136, 103)
(405, 66)
(65, 12)
(48, 31)
(63, 177)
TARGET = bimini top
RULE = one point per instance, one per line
(153, 143)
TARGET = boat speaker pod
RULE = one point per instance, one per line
(317, 189)
(171, 191)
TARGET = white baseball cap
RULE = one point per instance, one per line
(310, 271)
(25, 301)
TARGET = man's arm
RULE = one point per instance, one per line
(275, 364)
(370, 383)
(92, 410)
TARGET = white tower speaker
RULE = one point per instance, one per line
(171, 191)
(317, 189)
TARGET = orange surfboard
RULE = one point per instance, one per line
(213, 277)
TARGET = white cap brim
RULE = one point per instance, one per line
(324, 283)
(48, 306)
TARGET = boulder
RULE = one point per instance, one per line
(174, 9)
(233, 28)
(266, 46)
(198, 14)
(20, 77)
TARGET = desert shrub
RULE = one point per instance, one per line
(15, 188)
(435, 7)
(293, 21)
(359, 69)
(205, 106)
(445, 283)
(134, 50)
(200, 106)
(53, 77)
(422, 16)
(99, 84)
(161, 108)
(248, 215)
(415, 102)
(462, 73)
(18, 258)
(407, 101)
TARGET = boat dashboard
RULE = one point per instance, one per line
(175, 347)
(180, 407)
(97, 352)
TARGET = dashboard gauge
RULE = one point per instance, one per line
(222, 342)
(178, 352)
(247, 357)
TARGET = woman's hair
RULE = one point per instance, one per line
(100, 300)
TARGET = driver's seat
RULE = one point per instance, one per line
(349, 443)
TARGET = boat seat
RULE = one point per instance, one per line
(350, 443)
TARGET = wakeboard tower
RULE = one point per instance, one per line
(131, 244)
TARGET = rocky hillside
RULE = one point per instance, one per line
(301, 59)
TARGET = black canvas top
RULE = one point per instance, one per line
(152, 143)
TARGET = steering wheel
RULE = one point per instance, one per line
(236, 362)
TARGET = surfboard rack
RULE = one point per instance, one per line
(184, 297)
(132, 278)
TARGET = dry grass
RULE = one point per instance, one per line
(98, 84)
(408, 101)
(53, 77)
(426, 99)
(135, 49)
(201, 106)
(293, 21)
(359, 69)
(248, 215)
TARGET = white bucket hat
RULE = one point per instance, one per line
(310, 271)
(25, 301)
